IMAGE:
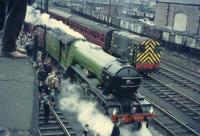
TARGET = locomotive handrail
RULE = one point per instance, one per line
(131, 77)
(59, 121)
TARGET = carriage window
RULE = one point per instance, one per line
(91, 33)
(95, 34)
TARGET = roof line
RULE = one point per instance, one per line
(178, 2)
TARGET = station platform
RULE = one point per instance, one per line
(18, 107)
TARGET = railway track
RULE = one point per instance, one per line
(56, 126)
(193, 59)
(179, 79)
(179, 100)
(172, 125)
(181, 68)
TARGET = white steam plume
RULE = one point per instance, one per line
(35, 17)
(85, 109)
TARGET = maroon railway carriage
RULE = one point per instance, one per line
(92, 32)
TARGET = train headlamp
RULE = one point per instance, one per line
(151, 110)
(114, 111)
(128, 82)
(107, 77)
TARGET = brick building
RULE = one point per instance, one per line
(180, 15)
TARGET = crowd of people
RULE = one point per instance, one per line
(48, 84)
(49, 87)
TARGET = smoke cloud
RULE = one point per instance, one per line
(86, 110)
(88, 113)
(35, 17)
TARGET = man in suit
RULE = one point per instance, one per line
(85, 131)
(115, 131)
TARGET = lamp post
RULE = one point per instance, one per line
(109, 11)
(41, 4)
(92, 6)
(46, 4)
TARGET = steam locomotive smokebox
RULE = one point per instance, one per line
(120, 77)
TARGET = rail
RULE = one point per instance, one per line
(173, 118)
(60, 122)
(194, 101)
(188, 82)
(179, 75)
(181, 68)
(170, 92)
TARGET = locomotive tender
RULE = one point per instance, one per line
(142, 52)
(113, 82)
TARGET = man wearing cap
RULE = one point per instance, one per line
(85, 131)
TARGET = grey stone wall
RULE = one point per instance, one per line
(161, 14)
(165, 13)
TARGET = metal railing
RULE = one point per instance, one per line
(59, 121)
(39, 132)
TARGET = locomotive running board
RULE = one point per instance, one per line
(108, 101)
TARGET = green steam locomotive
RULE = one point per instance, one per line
(113, 82)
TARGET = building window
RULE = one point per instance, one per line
(180, 22)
